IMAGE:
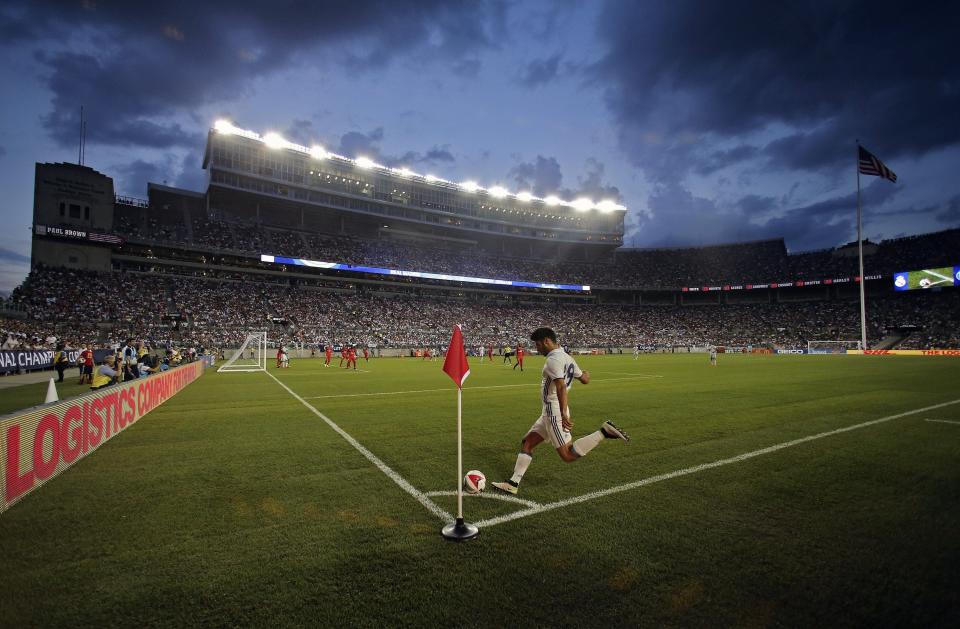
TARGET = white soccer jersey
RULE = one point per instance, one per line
(559, 365)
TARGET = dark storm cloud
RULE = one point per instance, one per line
(950, 214)
(544, 177)
(540, 71)
(357, 144)
(131, 179)
(682, 74)
(6, 255)
(678, 217)
(146, 63)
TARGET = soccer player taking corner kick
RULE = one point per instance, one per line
(559, 372)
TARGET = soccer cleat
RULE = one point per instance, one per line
(610, 431)
(507, 486)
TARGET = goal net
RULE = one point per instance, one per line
(831, 347)
(252, 355)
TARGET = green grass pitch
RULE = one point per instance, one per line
(234, 504)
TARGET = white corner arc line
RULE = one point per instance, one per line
(503, 497)
(422, 498)
(942, 421)
(494, 386)
(699, 468)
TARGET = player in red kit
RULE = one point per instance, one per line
(519, 357)
(329, 354)
(366, 355)
(490, 352)
(352, 358)
(426, 353)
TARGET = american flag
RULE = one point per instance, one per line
(870, 165)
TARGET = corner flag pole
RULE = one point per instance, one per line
(455, 365)
(863, 281)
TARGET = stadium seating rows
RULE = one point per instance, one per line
(183, 310)
(764, 261)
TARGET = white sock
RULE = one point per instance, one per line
(583, 445)
(523, 462)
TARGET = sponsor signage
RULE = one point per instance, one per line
(38, 444)
(69, 233)
(795, 283)
(23, 360)
(791, 351)
(906, 352)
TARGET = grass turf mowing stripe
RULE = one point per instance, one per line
(699, 468)
(495, 386)
(386, 469)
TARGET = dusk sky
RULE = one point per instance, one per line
(711, 122)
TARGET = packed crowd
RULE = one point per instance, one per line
(756, 262)
(217, 312)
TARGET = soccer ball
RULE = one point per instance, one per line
(925, 283)
(474, 482)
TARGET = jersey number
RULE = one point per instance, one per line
(569, 374)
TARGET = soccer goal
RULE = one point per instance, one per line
(252, 355)
(832, 347)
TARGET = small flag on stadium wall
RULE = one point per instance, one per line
(870, 165)
(455, 363)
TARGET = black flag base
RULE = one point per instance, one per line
(460, 531)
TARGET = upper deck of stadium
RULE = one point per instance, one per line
(310, 187)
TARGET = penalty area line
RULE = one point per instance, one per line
(421, 497)
(699, 468)
(942, 421)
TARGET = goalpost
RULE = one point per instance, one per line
(252, 355)
(832, 347)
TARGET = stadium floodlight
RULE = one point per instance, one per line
(582, 204)
(274, 141)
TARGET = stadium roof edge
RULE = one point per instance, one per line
(275, 141)
(712, 245)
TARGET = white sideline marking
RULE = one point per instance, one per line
(698, 468)
(503, 497)
(399, 480)
(495, 386)
(942, 421)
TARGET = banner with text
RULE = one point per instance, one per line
(41, 442)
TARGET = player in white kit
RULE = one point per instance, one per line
(554, 424)
(713, 356)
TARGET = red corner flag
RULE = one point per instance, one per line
(455, 363)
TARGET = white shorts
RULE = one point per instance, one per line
(550, 426)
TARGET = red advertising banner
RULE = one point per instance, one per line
(39, 443)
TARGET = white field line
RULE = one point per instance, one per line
(392, 475)
(496, 386)
(942, 421)
(698, 468)
(487, 494)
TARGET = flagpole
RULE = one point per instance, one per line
(456, 366)
(459, 456)
(863, 280)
